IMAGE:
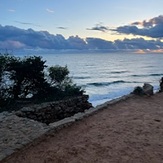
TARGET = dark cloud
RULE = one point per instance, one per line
(97, 43)
(150, 23)
(152, 28)
(127, 30)
(32, 39)
(76, 43)
(15, 38)
(37, 39)
(64, 28)
(99, 27)
(138, 43)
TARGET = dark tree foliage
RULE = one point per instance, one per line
(25, 78)
(59, 76)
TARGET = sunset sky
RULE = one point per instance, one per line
(105, 19)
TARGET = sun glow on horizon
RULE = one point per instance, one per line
(146, 51)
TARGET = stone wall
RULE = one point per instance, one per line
(54, 111)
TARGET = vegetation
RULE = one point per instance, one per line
(30, 79)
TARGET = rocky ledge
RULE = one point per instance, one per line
(54, 111)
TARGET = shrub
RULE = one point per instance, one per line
(25, 78)
(60, 80)
(59, 76)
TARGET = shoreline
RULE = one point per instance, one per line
(120, 94)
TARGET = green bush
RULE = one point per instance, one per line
(25, 78)
(59, 76)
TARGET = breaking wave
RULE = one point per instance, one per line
(99, 84)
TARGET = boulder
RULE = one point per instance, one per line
(161, 85)
(138, 91)
(148, 89)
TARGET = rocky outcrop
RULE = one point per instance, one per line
(161, 85)
(148, 89)
(138, 91)
(54, 111)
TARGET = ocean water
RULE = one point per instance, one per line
(105, 76)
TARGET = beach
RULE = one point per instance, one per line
(129, 131)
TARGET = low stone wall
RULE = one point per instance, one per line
(54, 111)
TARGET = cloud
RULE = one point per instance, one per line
(76, 43)
(50, 10)
(15, 38)
(11, 10)
(38, 39)
(99, 27)
(151, 22)
(97, 43)
(12, 44)
(138, 43)
(64, 28)
(152, 28)
(27, 23)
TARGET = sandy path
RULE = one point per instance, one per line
(130, 131)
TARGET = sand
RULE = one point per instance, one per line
(130, 131)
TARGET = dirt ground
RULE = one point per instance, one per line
(130, 131)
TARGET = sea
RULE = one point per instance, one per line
(106, 76)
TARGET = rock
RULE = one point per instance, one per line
(53, 111)
(148, 89)
(27, 109)
(161, 85)
(138, 91)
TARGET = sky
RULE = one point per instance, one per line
(78, 24)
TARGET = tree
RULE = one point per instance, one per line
(27, 75)
(59, 78)
(22, 78)
(4, 76)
